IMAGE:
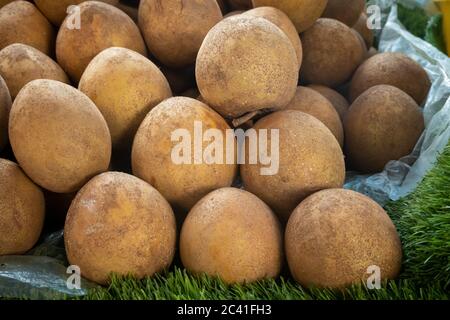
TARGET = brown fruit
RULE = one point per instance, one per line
(232, 234)
(246, 64)
(182, 182)
(119, 224)
(5, 107)
(361, 27)
(56, 11)
(5, 2)
(58, 135)
(282, 21)
(303, 13)
(102, 26)
(364, 49)
(310, 159)
(22, 210)
(336, 236)
(395, 69)
(345, 11)
(22, 22)
(337, 100)
(174, 29)
(331, 53)
(383, 124)
(372, 51)
(20, 64)
(125, 86)
(313, 103)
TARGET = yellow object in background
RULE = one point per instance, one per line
(445, 8)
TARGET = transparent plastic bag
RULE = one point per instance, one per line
(40, 274)
(401, 177)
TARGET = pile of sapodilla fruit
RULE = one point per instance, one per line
(91, 111)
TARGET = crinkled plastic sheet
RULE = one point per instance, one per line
(41, 274)
(401, 177)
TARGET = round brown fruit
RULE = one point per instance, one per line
(361, 27)
(22, 22)
(20, 64)
(246, 64)
(56, 11)
(337, 100)
(22, 210)
(58, 135)
(174, 30)
(310, 159)
(303, 13)
(5, 2)
(395, 69)
(5, 107)
(372, 51)
(125, 86)
(282, 21)
(185, 181)
(345, 11)
(232, 234)
(336, 236)
(119, 224)
(102, 26)
(313, 103)
(331, 53)
(383, 124)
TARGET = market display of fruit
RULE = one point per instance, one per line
(136, 124)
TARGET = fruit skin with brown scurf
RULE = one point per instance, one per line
(395, 69)
(232, 234)
(56, 11)
(22, 210)
(335, 235)
(119, 224)
(313, 103)
(246, 64)
(345, 11)
(5, 107)
(331, 53)
(383, 124)
(174, 29)
(58, 135)
(282, 21)
(5, 2)
(20, 64)
(337, 100)
(124, 86)
(182, 184)
(22, 22)
(103, 26)
(310, 159)
(303, 13)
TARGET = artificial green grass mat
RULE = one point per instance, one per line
(422, 219)
(180, 285)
